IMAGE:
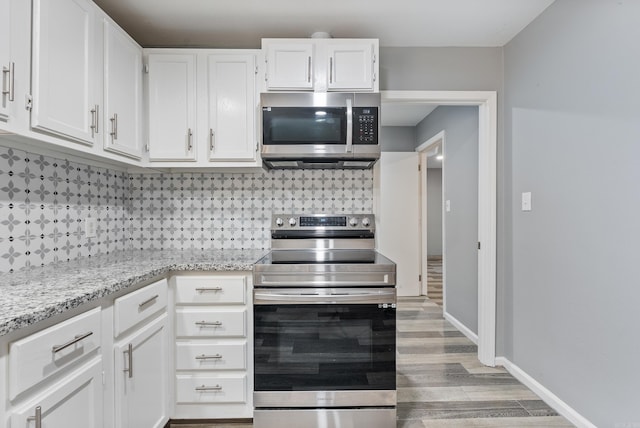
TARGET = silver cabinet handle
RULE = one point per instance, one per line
(189, 143)
(212, 140)
(208, 388)
(73, 341)
(309, 70)
(208, 323)
(208, 357)
(330, 69)
(114, 126)
(95, 120)
(202, 290)
(349, 126)
(129, 353)
(10, 91)
(149, 300)
(37, 418)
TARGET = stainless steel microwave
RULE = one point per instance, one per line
(320, 130)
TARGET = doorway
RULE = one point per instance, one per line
(431, 217)
(487, 194)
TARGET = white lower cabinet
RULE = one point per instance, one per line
(142, 377)
(73, 402)
(213, 354)
(141, 358)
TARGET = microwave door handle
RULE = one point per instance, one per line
(349, 126)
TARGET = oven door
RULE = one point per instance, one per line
(324, 347)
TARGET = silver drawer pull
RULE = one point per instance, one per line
(208, 357)
(129, 352)
(202, 290)
(73, 341)
(208, 388)
(37, 418)
(149, 300)
(208, 323)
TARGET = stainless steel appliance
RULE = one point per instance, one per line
(320, 130)
(324, 326)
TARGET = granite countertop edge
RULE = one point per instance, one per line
(33, 295)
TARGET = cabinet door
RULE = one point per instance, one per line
(123, 92)
(172, 107)
(290, 65)
(63, 69)
(350, 65)
(231, 101)
(142, 377)
(73, 402)
(6, 65)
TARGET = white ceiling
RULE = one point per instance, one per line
(242, 23)
(405, 114)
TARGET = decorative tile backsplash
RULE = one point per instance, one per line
(233, 211)
(44, 203)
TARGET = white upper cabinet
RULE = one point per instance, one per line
(122, 119)
(6, 64)
(351, 65)
(65, 67)
(289, 65)
(321, 64)
(231, 107)
(172, 107)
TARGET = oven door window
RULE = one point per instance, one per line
(304, 125)
(324, 347)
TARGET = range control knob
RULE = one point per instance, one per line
(292, 221)
(353, 221)
(366, 222)
(279, 222)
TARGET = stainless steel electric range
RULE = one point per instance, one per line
(324, 325)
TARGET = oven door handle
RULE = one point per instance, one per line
(322, 296)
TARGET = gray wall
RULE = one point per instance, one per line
(449, 69)
(461, 223)
(397, 138)
(572, 138)
(434, 211)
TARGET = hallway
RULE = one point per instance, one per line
(442, 384)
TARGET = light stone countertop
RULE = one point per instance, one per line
(31, 295)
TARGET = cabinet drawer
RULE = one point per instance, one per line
(211, 356)
(135, 307)
(50, 351)
(211, 289)
(210, 389)
(210, 323)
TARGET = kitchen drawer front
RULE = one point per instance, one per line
(137, 306)
(210, 389)
(211, 356)
(43, 354)
(211, 289)
(211, 323)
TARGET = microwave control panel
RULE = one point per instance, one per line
(365, 125)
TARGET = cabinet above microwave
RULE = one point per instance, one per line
(321, 64)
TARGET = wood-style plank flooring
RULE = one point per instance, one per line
(434, 279)
(441, 383)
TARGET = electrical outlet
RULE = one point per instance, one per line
(447, 205)
(90, 226)
(526, 201)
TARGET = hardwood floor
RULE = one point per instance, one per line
(434, 279)
(441, 383)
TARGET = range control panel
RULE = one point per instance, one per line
(322, 221)
(365, 125)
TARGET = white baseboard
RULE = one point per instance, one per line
(463, 328)
(547, 396)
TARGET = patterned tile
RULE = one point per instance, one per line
(44, 202)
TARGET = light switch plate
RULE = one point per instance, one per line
(447, 205)
(526, 201)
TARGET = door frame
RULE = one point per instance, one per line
(487, 197)
(424, 151)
